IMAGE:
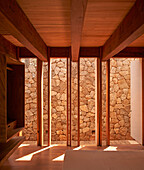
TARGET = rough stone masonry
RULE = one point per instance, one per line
(119, 95)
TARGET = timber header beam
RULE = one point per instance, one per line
(7, 48)
(78, 8)
(63, 52)
(129, 30)
(16, 22)
(131, 52)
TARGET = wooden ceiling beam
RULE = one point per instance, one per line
(131, 52)
(78, 8)
(7, 48)
(129, 30)
(63, 52)
(16, 22)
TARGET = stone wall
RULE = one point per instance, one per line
(30, 130)
(120, 99)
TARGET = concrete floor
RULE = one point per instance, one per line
(32, 157)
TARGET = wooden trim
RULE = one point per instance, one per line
(128, 30)
(49, 100)
(78, 9)
(143, 101)
(39, 103)
(69, 99)
(99, 102)
(3, 99)
(78, 101)
(108, 102)
(17, 24)
(131, 52)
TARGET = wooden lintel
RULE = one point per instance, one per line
(7, 48)
(99, 102)
(129, 30)
(108, 102)
(17, 23)
(39, 103)
(131, 52)
(78, 9)
(63, 52)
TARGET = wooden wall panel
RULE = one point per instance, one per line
(3, 98)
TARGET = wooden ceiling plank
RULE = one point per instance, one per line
(78, 9)
(128, 30)
(16, 22)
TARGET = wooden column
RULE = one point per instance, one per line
(78, 101)
(39, 103)
(108, 102)
(69, 99)
(49, 100)
(3, 99)
(99, 102)
(143, 101)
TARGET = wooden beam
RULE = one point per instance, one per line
(78, 9)
(16, 22)
(131, 52)
(129, 30)
(49, 100)
(56, 52)
(63, 52)
(78, 101)
(89, 52)
(25, 53)
(39, 103)
(143, 101)
(69, 98)
(99, 102)
(108, 102)
(7, 48)
(3, 99)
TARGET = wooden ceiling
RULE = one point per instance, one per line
(52, 19)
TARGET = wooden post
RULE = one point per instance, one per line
(78, 101)
(99, 102)
(49, 101)
(3, 99)
(69, 99)
(108, 102)
(143, 101)
(39, 103)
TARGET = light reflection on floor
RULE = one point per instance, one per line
(61, 157)
(29, 156)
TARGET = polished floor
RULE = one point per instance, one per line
(32, 157)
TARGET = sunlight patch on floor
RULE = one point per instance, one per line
(61, 157)
(111, 148)
(29, 156)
